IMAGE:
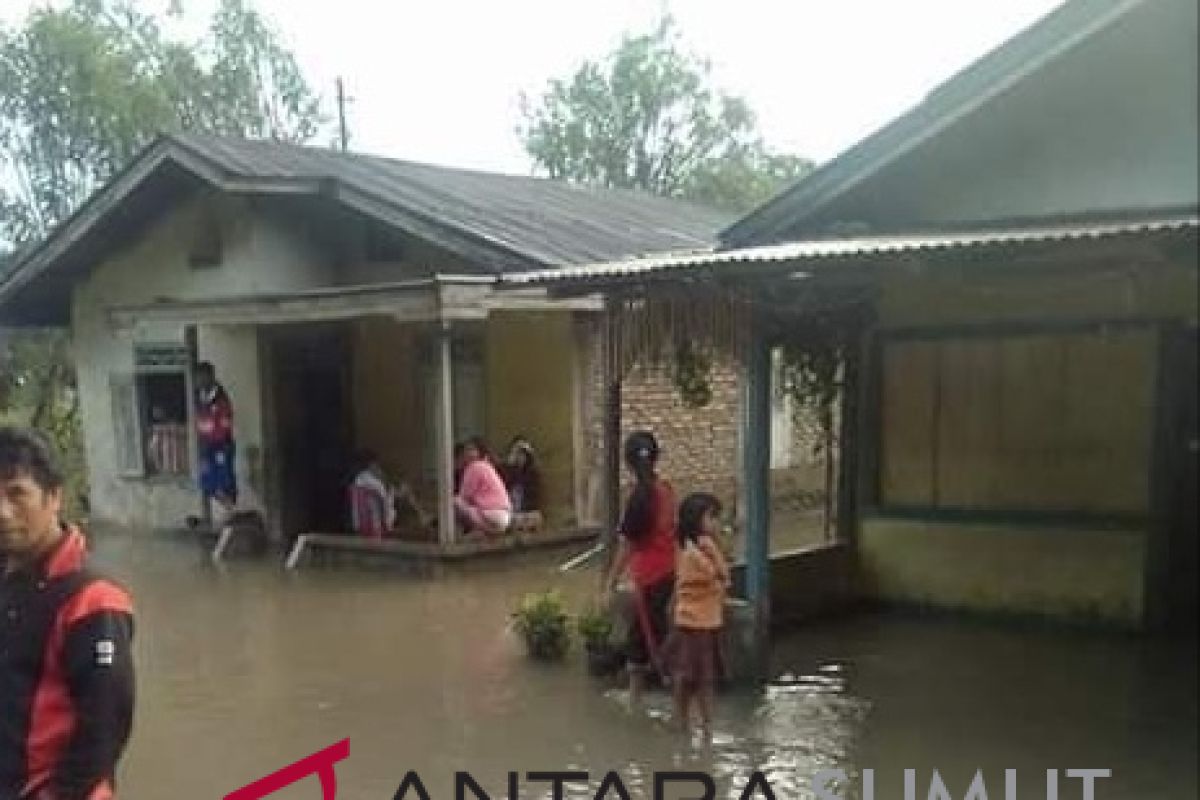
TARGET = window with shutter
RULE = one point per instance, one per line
(127, 427)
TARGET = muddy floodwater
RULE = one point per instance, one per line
(247, 669)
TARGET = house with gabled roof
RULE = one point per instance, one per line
(1014, 261)
(347, 301)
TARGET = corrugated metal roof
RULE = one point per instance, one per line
(810, 253)
(496, 223)
(544, 221)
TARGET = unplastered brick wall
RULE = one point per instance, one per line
(700, 449)
(700, 445)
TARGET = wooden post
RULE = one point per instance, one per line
(869, 433)
(191, 342)
(612, 438)
(447, 526)
(756, 457)
(849, 449)
(612, 458)
(343, 134)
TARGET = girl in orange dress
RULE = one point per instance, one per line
(695, 656)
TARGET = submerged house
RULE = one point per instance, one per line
(1019, 253)
(346, 301)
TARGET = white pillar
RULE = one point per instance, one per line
(444, 412)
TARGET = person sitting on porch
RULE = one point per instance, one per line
(522, 476)
(372, 499)
(482, 504)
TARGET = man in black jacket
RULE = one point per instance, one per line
(66, 671)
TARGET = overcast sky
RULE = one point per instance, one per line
(439, 81)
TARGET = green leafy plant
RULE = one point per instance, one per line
(595, 628)
(693, 375)
(542, 620)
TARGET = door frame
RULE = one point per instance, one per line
(1174, 390)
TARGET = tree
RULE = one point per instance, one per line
(82, 89)
(646, 117)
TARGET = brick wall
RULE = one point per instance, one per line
(700, 449)
(699, 445)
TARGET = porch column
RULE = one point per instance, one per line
(444, 420)
(756, 459)
(612, 437)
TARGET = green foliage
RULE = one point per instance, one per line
(645, 117)
(816, 342)
(83, 87)
(37, 389)
(595, 628)
(541, 618)
(692, 374)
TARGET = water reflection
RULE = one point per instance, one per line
(245, 670)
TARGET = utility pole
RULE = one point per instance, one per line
(343, 135)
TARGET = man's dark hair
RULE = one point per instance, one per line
(25, 452)
(206, 368)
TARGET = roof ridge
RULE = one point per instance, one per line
(195, 139)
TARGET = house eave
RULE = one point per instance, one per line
(437, 299)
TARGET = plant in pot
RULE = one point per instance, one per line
(541, 619)
(596, 630)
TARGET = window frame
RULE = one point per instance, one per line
(150, 359)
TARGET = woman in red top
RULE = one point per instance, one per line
(646, 549)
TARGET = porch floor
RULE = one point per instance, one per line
(438, 552)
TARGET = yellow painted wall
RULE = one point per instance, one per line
(530, 359)
(1090, 453)
(1086, 575)
(979, 295)
(1047, 422)
(388, 397)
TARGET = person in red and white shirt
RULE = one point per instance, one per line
(214, 430)
(372, 499)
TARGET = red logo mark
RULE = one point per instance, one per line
(319, 763)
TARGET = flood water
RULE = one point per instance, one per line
(244, 670)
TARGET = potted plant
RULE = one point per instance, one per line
(542, 621)
(596, 629)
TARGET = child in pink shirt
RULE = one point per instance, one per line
(482, 503)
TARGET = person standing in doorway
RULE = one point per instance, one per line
(214, 433)
(66, 667)
(646, 551)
